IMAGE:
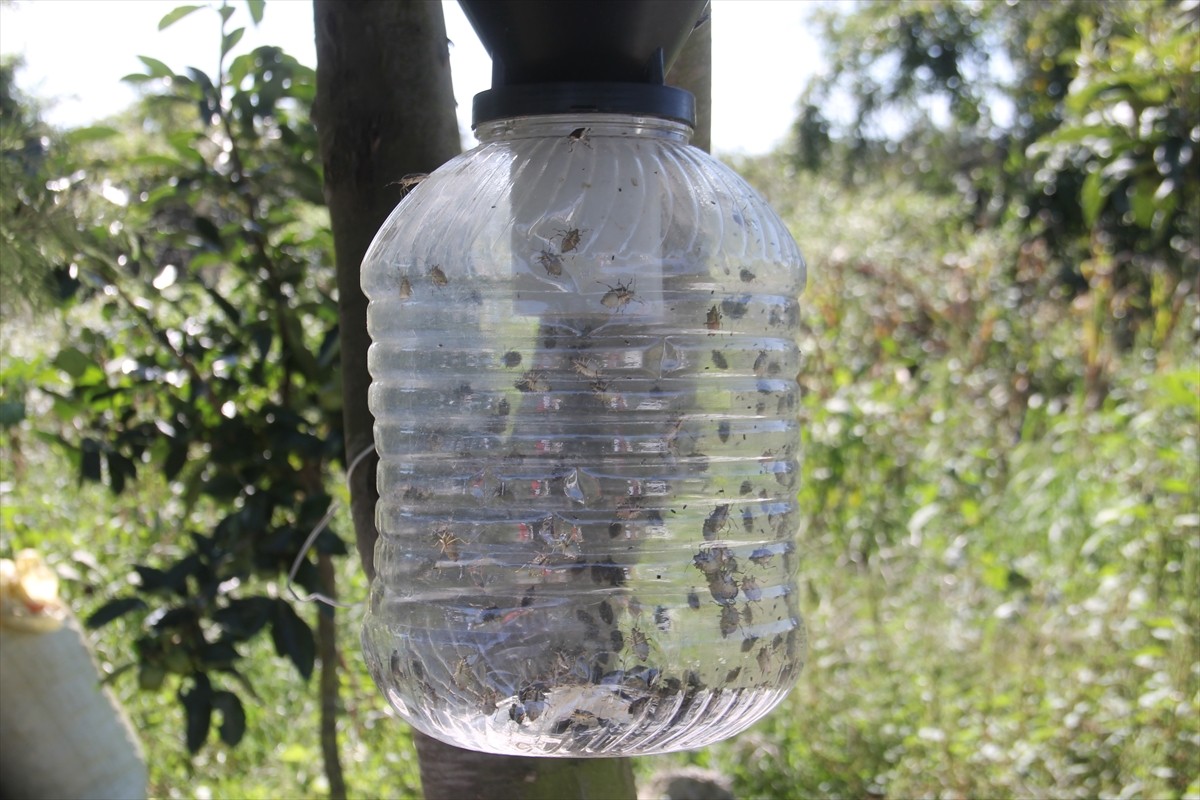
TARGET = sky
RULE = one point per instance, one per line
(76, 52)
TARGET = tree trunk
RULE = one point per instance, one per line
(692, 70)
(328, 653)
(385, 108)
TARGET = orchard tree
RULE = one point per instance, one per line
(194, 246)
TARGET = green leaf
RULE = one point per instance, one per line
(120, 469)
(218, 655)
(230, 310)
(1141, 201)
(89, 462)
(239, 68)
(256, 9)
(202, 80)
(151, 677)
(152, 579)
(176, 577)
(92, 133)
(244, 617)
(176, 14)
(233, 717)
(157, 68)
(114, 609)
(176, 459)
(11, 412)
(208, 232)
(293, 638)
(198, 706)
(1092, 196)
(72, 361)
(231, 39)
(157, 160)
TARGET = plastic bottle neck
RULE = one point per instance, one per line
(582, 127)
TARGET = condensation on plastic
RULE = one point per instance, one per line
(584, 383)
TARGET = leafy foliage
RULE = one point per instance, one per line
(1076, 119)
(50, 210)
(203, 346)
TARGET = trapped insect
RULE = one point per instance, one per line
(437, 276)
(716, 521)
(551, 262)
(639, 644)
(405, 288)
(762, 556)
(629, 508)
(409, 182)
(579, 136)
(729, 621)
(712, 319)
(760, 363)
(723, 588)
(662, 619)
(533, 382)
(447, 543)
(570, 239)
(619, 296)
(587, 367)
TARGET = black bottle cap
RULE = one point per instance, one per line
(583, 56)
(584, 98)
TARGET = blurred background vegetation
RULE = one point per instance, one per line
(999, 203)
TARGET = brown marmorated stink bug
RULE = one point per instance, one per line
(619, 296)
(551, 262)
(570, 239)
(578, 136)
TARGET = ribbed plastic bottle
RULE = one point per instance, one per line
(584, 383)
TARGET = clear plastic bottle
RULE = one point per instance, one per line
(584, 369)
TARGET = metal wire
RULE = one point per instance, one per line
(317, 597)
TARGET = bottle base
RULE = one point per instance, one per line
(598, 721)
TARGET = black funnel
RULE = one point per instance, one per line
(572, 56)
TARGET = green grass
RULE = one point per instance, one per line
(1002, 543)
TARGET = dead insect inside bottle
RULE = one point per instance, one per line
(639, 644)
(716, 521)
(712, 319)
(533, 382)
(447, 543)
(570, 240)
(619, 296)
(579, 136)
(551, 262)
